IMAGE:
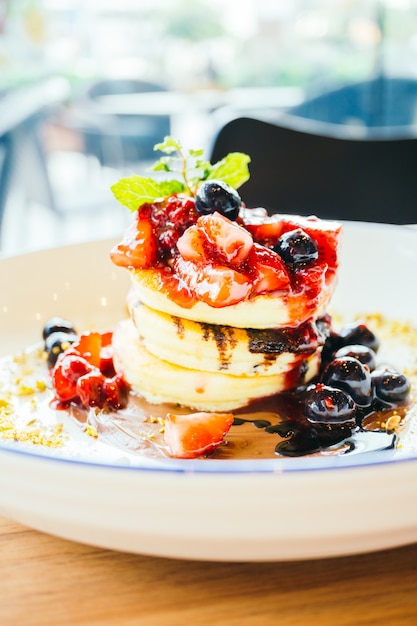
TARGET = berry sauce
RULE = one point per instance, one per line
(190, 250)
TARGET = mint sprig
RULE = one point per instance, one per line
(187, 169)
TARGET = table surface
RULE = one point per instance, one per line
(46, 580)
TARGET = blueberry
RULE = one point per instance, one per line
(351, 376)
(58, 342)
(331, 413)
(57, 324)
(364, 354)
(358, 333)
(295, 247)
(390, 385)
(331, 344)
(329, 405)
(215, 195)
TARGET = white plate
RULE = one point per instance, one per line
(218, 510)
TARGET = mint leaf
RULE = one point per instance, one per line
(169, 145)
(168, 187)
(190, 168)
(233, 169)
(195, 153)
(135, 191)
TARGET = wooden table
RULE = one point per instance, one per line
(51, 581)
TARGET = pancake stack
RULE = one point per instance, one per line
(181, 345)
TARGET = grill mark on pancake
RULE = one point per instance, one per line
(224, 339)
(179, 326)
(274, 341)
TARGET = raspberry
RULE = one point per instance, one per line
(90, 389)
(85, 373)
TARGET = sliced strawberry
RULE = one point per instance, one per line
(191, 436)
(267, 232)
(272, 273)
(216, 285)
(65, 389)
(310, 291)
(89, 346)
(138, 248)
(191, 245)
(90, 389)
(326, 233)
(106, 361)
(310, 280)
(231, 242)
(115, 392)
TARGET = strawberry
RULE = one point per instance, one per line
(272, 273)
(115, 392)
(89, 346)
(68, 369)
(216, 285)
(90, 389)
(106, 361)
(325, 233)
(309, 285)
(191, 245)
(85, 373)
(138, 248)
(231, 242)
(191, 436)
(310, 280)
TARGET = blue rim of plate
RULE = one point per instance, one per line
(279, 465)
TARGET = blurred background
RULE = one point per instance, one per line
(87, 87)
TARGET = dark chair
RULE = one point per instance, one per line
(313, 169)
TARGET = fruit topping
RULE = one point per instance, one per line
(84, 373)
(296, 247)
(58, 325)
(267, 230)
(95, 390)
(66, 373)
(58, 334)
(216, 196)
(231, 243)
(216, 285)
(58, 342)
(390, 386)
(329, 406)
(351, 376)
(198, 434)
(271, 272)
(215, 237)
(358, 333)
(201, 219)
(351, 336)
(364, 354)
(138, 248)
(331, 413)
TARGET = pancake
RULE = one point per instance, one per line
(269, 310)
(159, 381)
(226, 349)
